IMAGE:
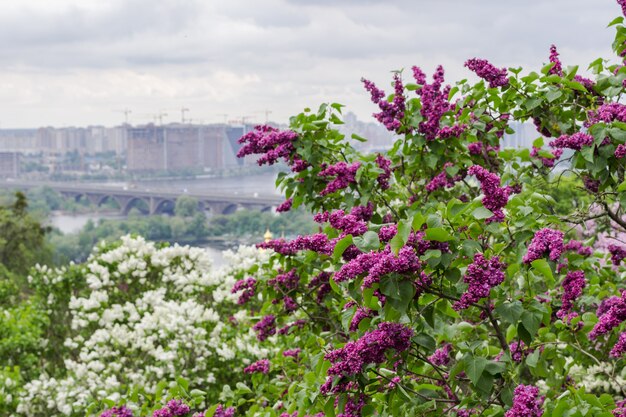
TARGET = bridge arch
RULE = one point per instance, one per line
(141, 204)
(165, 206)
(109, 199)
(231, 208)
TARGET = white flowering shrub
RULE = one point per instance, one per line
(136, 314)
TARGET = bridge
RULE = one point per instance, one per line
(152, 201)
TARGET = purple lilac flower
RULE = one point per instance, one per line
(547, 162)
(612, 317)
(285, 281)
(578, 247)
(370, 348)
(620, 152)
(353, 407)
(526, 402)
(591, 184)
(557, 69)
(266, 327)
(586, 82)
(622, 3)
(269, 142)
(575, 141)
(349, 224)
(321, 281)
(386, 233)
(617, 253)
(494, 76)
(607, 113)
(290, 304)
(360, 314)
(434, 102)
(121, 411)
(383, 178)
(481, 276)
(292, 353)
(247, 286)
(441, 357)
(620, 347)
(344, 176)
(296, 324)
(261, 366)
(177, 407)
(317, 243)
(442, 180)
(285, 206)
(220, 411)
(519, 351)
(495, 197)
(378, 264)
(545, 240)
(573, 285)
(391, 113)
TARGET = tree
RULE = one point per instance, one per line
(186, 206)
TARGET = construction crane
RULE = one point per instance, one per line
(126, 113)
(182, 114)
(159, 116)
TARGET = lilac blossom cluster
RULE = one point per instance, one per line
(495, 197)
(360, 314)
(620, 347)
(121, 411)
(344, 176)
(519, 351)
(383, 178)
(477, 148)
(271, 143)
(261, 366)
(266, 327)
(494, 76)
(292, 353)
(526, 402)
(557, 68)
(378, 264)
(441, 357)
(434, 102)
(285, 206)
(611, 315)
(607, 113)
(575, 141)
(370, 348)
(220, 411)
(174, 408)
(247, 287)
(349, 224)
(321, 282)
(318, 242)
(285, 281)
(299, 324)
(481, 276)
(617, 253)
(546, 161)
(573, 286)
(620, 151)
(578, 247)
(442, 180)
(391, 113)
(545, 240)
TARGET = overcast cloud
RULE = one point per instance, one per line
(78, 62)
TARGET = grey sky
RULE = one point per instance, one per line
(75, 62)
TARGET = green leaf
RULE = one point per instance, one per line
(481, 213)
(368, 242)
(359, 138)
(553, 95)
(511, 312)
(543, 267)
(474, 367)
(531, 322)
(341, 246)
(438, 233)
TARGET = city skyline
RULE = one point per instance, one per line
(70, 63)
